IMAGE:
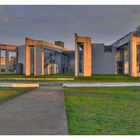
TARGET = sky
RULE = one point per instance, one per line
(104, 24)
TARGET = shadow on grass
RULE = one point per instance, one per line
(18, 93)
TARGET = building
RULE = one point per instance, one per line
(8, 58)
(39, 57)
(121, 57)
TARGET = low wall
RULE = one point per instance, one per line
(38, 79)
(106, 84)
(19, 85)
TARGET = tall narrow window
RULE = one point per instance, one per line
(2, 61)
(81, 59)
(12, 61)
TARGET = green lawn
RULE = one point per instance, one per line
(32, 76)
(108, 78)
(93, 78)
(103, 111)
(8, 93)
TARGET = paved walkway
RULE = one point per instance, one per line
(100, 84)
(41, 111)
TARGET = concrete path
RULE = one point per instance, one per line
(41, 111)
(101, 84)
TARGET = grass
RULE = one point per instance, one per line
(9, 93)
(108, 78)
(103, 111)
(93, 78)
(32, 76)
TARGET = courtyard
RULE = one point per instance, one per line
(88, 110)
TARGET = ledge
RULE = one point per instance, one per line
(38, 79)
(19, 85)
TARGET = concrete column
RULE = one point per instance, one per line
(43, 62)
(0, 60)
(6, 61)
(87, 58)
(82, 60)
(138, 67)
(65, 62)
(27, 60)
(76, 58)
(58, 61)
(49, 69)
(68, 63)
(87, 55)
(35, 53)
(54, 68)
(116, 59)
(133, 57)
(38, 61)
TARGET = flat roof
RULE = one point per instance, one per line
(8, 46)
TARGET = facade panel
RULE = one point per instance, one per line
(102, 62)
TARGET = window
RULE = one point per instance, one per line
(12, 61)
(108, 49)
(2, 60)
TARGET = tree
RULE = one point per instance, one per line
(137, 31)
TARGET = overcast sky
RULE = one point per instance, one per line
(104, 24)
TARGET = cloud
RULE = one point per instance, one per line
(2, 8)
(103, 23)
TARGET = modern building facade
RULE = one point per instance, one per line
(39, 57)
(8, 58)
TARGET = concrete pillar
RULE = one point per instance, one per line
(82, 60)
(133, 56)
(6, 61)
(0, 60)
(54, 68)
(49, 69)
(76, 57)
(133, 60)
(87, 58)
(68, 63)
(59, 62)
(65, 62)
(35, 67)
(87, 55)
(43, 68)
(38, 60)
(116, 59)
(126, 62)
(27, 60)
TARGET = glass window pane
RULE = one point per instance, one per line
(12, 61)
(2, 61)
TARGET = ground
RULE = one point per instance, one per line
(107, 78)
(93, 78)
(105, 110)
(41, 111)
(96, 110)
(32, 76)
(8, 93)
